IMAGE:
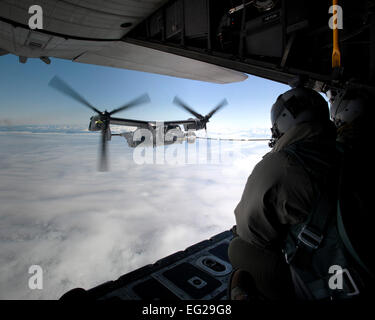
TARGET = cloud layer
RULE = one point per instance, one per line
(84, 227)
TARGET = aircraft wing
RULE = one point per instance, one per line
(178, 122)
(91, 32)
(146, 124)
(130, 122)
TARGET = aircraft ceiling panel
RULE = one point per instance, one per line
(96, 19)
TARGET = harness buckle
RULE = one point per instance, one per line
(310, 238)
(353, 287)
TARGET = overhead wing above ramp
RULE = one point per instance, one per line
(134, 57)
(92, 32)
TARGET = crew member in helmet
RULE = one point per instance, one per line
(280, 193)
(352, 112)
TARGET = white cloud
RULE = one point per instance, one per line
(84, 227)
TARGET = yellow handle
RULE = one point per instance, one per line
(336, 55)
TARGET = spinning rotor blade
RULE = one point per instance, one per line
(103, 164)
(182, 104)
(60, 85)
(217, 108)
(140, 100)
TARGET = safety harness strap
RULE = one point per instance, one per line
(310, 234)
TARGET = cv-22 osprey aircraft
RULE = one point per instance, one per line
(159, 133)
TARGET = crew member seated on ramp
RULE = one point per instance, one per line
(353, 113)
(286, 244)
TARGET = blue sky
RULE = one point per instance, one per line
(26, 98)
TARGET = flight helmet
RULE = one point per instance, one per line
(296, 106)
(347, 106)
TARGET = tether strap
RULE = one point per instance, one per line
(312, 232)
